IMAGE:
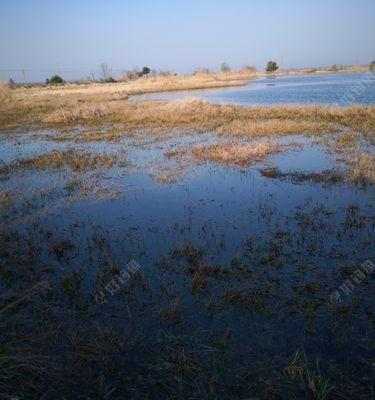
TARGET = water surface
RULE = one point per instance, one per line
(271, 251)
(304, 89)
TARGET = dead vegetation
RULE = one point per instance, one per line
(165, 172)
(362, 169)
(347, 139)
(73, 159)
(104, 115)
(358, 169)
(49, 108)
(160, 83)
(5, 93)
(271, 127)
(239, 154)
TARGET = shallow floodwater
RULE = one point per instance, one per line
(237, 273)
(311, 88)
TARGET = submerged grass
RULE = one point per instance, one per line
(328, 176)
(73, 159)
(187, 350)
(358, 169)
(314, 385)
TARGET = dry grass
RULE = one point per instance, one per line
(346, 139)
(176, 152)
(149, 84)
(93, 104)
(362, 169)
(239, 154)
(5, 93)
(75, 160)
(166, 173)
(272, 127)
(193, 114)
(93, 110)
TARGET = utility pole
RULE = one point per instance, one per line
(24, 76)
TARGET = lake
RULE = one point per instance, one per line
(311, 88)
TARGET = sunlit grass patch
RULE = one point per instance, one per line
(72, 105)
(5, 92)
(347, 139)
(273, 127)
(240, 154)
(75, 160)
(362, 169)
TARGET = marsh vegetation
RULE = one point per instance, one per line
(244, 221)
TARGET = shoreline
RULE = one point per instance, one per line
(109, 103)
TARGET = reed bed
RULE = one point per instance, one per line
(64, 107)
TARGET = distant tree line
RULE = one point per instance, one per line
(106, 74)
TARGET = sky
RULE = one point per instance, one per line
(44, 37)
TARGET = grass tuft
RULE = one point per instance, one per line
(239, 154)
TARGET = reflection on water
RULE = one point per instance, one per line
(236, 273)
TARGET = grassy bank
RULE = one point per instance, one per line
(111, 116)
(63, 106)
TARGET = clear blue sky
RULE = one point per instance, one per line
(50, 35)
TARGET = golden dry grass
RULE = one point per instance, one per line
(200, 116)
(74, 159)
(64, 107)
(346, 139)
(5, 92)
(165, 173)
(276, 127)
(146, 84)
(240, 154)
(362, 169)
